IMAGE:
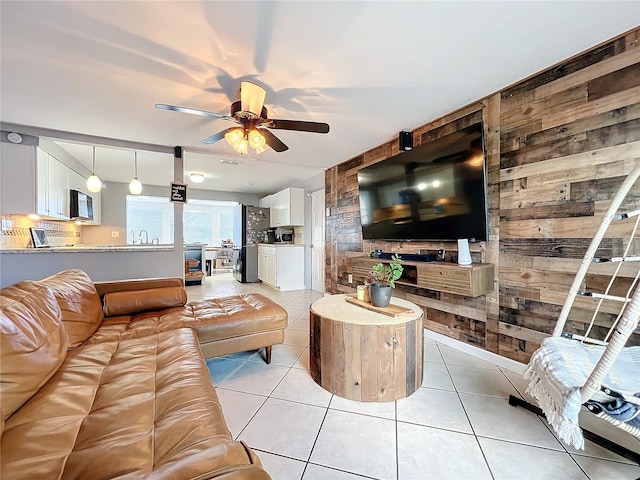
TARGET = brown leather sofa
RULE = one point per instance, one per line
(111, 381)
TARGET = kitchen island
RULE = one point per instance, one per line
(100, 262)
(92, 249)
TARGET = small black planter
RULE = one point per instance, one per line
(380, 295)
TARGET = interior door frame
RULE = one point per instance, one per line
(317, 208)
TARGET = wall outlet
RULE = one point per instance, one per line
(350, 278)
(7, 224)
(115, 234)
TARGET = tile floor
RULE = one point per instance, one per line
(458, 425)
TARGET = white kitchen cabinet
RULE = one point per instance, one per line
(280, 266)
(42, 184)
(52, 187)
(97, 207)
(287, 208)
(272, 270)
(265, 202)
(59, 189)
(33, 181)
(77, 182)
(267, 265)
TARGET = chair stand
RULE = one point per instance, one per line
(592, 437)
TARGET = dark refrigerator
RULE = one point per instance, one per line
(249, 223)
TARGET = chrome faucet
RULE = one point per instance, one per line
(147, 234)
(156, 241)
(133, 239)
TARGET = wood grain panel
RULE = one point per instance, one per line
(552, 247)
(572, 65)
(597, 138)
(594, 71)
(561, 210)
(515, 139)
(610, 102)
(614, 82)
(579, 160)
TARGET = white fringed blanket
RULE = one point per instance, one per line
(561, 366)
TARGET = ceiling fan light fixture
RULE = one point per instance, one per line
(196, 177)
(94, 184)
(250, 114)
(234, 137)
(256, 139)
(242, 147)
(135, 186)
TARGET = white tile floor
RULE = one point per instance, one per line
(458, 425)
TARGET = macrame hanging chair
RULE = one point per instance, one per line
(597, 368)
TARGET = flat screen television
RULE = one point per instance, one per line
(81, 205)
(437, 191)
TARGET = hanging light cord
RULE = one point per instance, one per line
(93, 165)
(135, 164)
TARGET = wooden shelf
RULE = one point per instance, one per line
(468, 280)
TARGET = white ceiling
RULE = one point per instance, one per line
(367, 68)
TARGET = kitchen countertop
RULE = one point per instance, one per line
(280, 244)
(92, 249)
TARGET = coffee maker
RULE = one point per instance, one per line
(269, 235)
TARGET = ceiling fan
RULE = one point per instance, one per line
(253, 124)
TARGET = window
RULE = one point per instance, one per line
(205, 221)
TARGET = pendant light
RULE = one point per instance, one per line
(94, 184)
(135, 187)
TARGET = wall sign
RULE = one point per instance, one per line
(178, 192)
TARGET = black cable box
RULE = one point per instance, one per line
(410, 257)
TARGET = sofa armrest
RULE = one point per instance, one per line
(137, 284)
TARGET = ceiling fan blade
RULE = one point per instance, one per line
(192, 111)
(217, 136)
(252, 97)
(273, 141)
(316, 127)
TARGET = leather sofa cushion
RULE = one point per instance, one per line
(213, 318)
(33, 342)
(136, 301)
(237, 315)
(79, 302)
(139, 407)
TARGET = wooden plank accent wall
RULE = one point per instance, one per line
(557, 146)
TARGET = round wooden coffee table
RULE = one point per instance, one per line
(365, 355)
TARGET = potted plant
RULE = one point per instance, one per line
(382, 279)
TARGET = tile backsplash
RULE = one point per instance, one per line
(15, 231)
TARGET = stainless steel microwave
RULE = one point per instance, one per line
(80, 205)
